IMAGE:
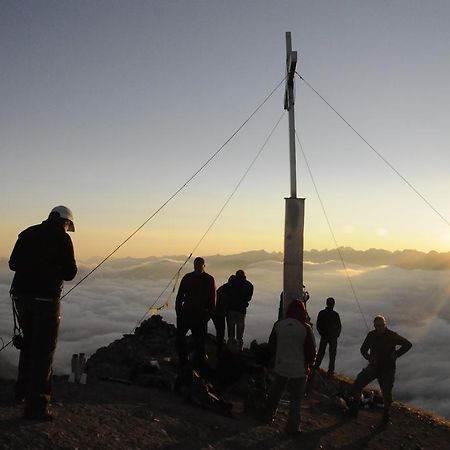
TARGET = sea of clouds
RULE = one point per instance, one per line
(416, 303)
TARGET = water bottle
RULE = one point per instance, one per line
(73, 368)
(81, 369)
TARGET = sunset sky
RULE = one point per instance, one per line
(109, 106)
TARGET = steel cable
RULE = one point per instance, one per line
(176, 275)
(178, 190)
(332, 232)
(376, 152)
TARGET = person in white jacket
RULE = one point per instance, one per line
(293, 345)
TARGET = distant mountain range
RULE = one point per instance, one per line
(406, 259)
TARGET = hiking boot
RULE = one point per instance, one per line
(45, 415)
(353, 411)
(294, 433)
(266, 418)
(386, 419)
(19, 398)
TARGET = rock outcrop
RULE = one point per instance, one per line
(146, 358)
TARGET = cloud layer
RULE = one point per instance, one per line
(415, 302)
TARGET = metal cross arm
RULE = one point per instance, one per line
(291, 63)
(290, 69)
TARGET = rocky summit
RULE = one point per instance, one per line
(146, 358)
(135, 398)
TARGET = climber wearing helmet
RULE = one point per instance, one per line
(42, 258)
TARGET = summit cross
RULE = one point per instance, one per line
(289, 101)
(294, 207)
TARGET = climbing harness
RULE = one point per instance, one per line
(17, 339)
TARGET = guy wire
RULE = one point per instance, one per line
(178, 190)
(332, 232)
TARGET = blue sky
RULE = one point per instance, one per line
(109, 106)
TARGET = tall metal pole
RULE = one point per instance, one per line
(295, 207)
(291, 62)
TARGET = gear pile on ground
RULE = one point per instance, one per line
(148, 358)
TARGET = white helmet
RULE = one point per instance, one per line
(65, 213)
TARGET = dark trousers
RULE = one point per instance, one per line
(332, 343)
(198, 327)
(236, 326)
(296, 387)
(385, 379)
(39, 321)
(219, 324)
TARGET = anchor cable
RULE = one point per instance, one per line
(176, 275)
(416, 191)
(178, 190)
(332, 232)
(5, 345)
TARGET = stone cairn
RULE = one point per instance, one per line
(147, 357)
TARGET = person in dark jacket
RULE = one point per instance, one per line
(42, 258)
(329, 327)
(380, 349)
(223, 299)
(241, 294)
(195, 304)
